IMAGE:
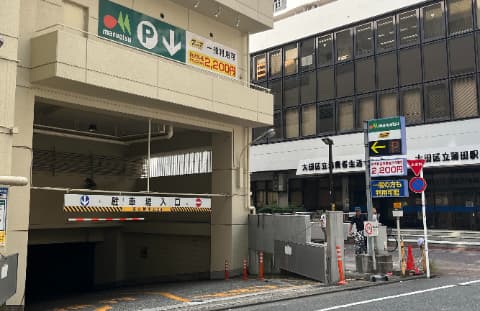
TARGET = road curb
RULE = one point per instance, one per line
(274, 296)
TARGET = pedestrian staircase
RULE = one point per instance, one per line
(439, 238)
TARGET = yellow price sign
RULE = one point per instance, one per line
(397, 205)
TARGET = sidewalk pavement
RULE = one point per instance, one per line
(204, 295)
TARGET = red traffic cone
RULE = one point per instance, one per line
(410, 260)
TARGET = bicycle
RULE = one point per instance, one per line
(392, 242)
(360, 242)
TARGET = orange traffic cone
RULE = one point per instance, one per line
(410, 260)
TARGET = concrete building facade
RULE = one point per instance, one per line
(81, 80)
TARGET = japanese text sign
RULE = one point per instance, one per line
(389, 188)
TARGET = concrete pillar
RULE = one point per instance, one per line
(229, 222)
(335, 238)
(14, 161)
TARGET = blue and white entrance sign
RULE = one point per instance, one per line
(385, 168)
(132, 203)
(389, 188)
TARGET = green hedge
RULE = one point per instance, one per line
(275, 209)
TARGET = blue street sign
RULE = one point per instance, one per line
(417, 184)
(84, 200)
(389, 188)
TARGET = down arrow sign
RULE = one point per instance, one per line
(171, 47)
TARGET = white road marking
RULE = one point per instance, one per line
(387, 298)
(468, 283)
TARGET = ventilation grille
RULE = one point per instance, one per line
(75, 163)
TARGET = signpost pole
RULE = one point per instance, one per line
(424, 216)
(398, 243)
(368, 181)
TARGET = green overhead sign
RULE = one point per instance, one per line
(386, 124)
(123, 25)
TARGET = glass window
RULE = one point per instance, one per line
(434, 61)
(291, 92)
(260, 65)
(276, 88)
(386, 34)
(343, 43)
(436, 101)
(459, 16)
(478, 14)
(278, 125)
(257, 131)
(326, 118)
(275, 63)
(345, 116)
(291, 123)
(291, 59)
(387, 70)
(308, 85)
(461, 52)
(325, 50)
(344, 80)
(325, 84)
(408, 27)
(464, 97)
(365, 110)
(365, 75)
(387, 105)
(410, 66)
(364, 40)
(433, 21)
(307, 56)
(309, 120)
(411, 102)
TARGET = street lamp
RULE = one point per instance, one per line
(267, 134)
(328, 141)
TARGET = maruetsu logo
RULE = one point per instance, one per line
(123, 21)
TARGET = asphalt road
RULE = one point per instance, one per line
(442, 293)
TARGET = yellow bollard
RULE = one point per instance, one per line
(403, 264)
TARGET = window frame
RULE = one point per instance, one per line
(449, 101)
(269, 60)
(447, 18)
(422, 27)
(301, 120)
(417, 13)
(285, 123)
(332, 50)
(290, 47)
(452, 103)
(385, 92)
(395, 26)
(314, 54)
(334, 117)
(420, 87)
(335, 46)
(355, 42)
(254, 67)
(358, 122)
(337, 119)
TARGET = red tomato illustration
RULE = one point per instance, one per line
(109, 21)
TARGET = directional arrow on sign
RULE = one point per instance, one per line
(375, 147)
(171, 47)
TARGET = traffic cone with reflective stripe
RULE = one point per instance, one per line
(410, 260)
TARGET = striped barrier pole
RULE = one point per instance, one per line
(104, 219)
(227, 275)
(260, 266)
(340, 266)
(245, 275)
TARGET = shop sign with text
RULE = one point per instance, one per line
(211, 56)
(384, 168)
